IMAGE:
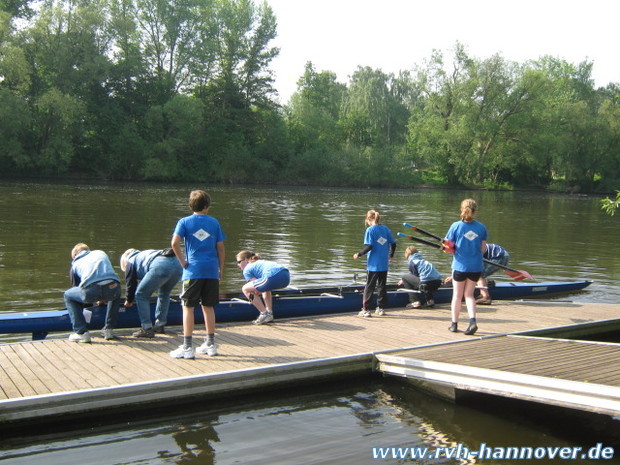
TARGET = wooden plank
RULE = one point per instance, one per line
(44, 371)
(17, 378)
(64, 366)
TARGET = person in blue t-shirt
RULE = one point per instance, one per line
(262, 276)
(380, 246)
(422, 276)
(203, 266)
(496, 254)
(470, 241)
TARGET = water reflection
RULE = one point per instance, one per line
(312, 231)
(329, 424)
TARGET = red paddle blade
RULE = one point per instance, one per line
(447, 246)
(519, 275)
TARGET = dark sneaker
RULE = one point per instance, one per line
(471, 329)
(146, 333)
(159, 329)
(453, 327)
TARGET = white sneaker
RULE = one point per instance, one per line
(210, 350)
(264, 317)
(107, 334)
(75, 337)
(379, 312)
(182, 352)
(365, 313)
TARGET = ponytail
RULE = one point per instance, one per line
(468, 210)
(372, 216)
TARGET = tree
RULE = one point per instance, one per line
(610, 206)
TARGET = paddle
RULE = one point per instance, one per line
(517, 275)
(437, 245)
(446, 245)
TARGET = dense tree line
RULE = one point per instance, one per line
(160, 90)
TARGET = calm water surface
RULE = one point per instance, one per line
(314, 232)
(329, 425)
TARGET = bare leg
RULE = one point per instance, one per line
(209, 315)
(188, 321)
(458, 289)
(484, 292)
(470, 300)
(249, 290)
(268, 301)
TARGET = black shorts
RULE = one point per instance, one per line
(463, 275)
(201, 291)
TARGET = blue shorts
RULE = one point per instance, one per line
(279, 281)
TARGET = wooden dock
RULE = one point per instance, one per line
(45, 379)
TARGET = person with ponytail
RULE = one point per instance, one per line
(380, 246)
(469, 237)
(262, 276)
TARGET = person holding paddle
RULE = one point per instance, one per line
(495, 254)
(470, 242)
(262, 276)
(380, 246)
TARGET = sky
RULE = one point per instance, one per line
(395, 35)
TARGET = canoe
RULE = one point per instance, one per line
(288, 303)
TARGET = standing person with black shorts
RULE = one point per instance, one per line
(203, 266)
(470, 241)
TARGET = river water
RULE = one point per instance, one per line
(314, 232)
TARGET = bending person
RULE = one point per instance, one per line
(263, 276)
(496, 254)
(94, 281)
(148, 271)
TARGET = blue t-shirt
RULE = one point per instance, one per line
(467, 238)
(379, 237)
(261, 269)
(200, 233)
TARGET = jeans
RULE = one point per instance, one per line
(163, 274)
(76, 297)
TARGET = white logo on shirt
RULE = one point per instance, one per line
(201, 234)
(470, 235)
(382, 240)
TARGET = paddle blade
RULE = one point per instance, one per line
(519, 275)
(447, 246)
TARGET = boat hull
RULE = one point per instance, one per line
(288, 303)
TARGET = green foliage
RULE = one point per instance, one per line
(160, 90)
(610, 206)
